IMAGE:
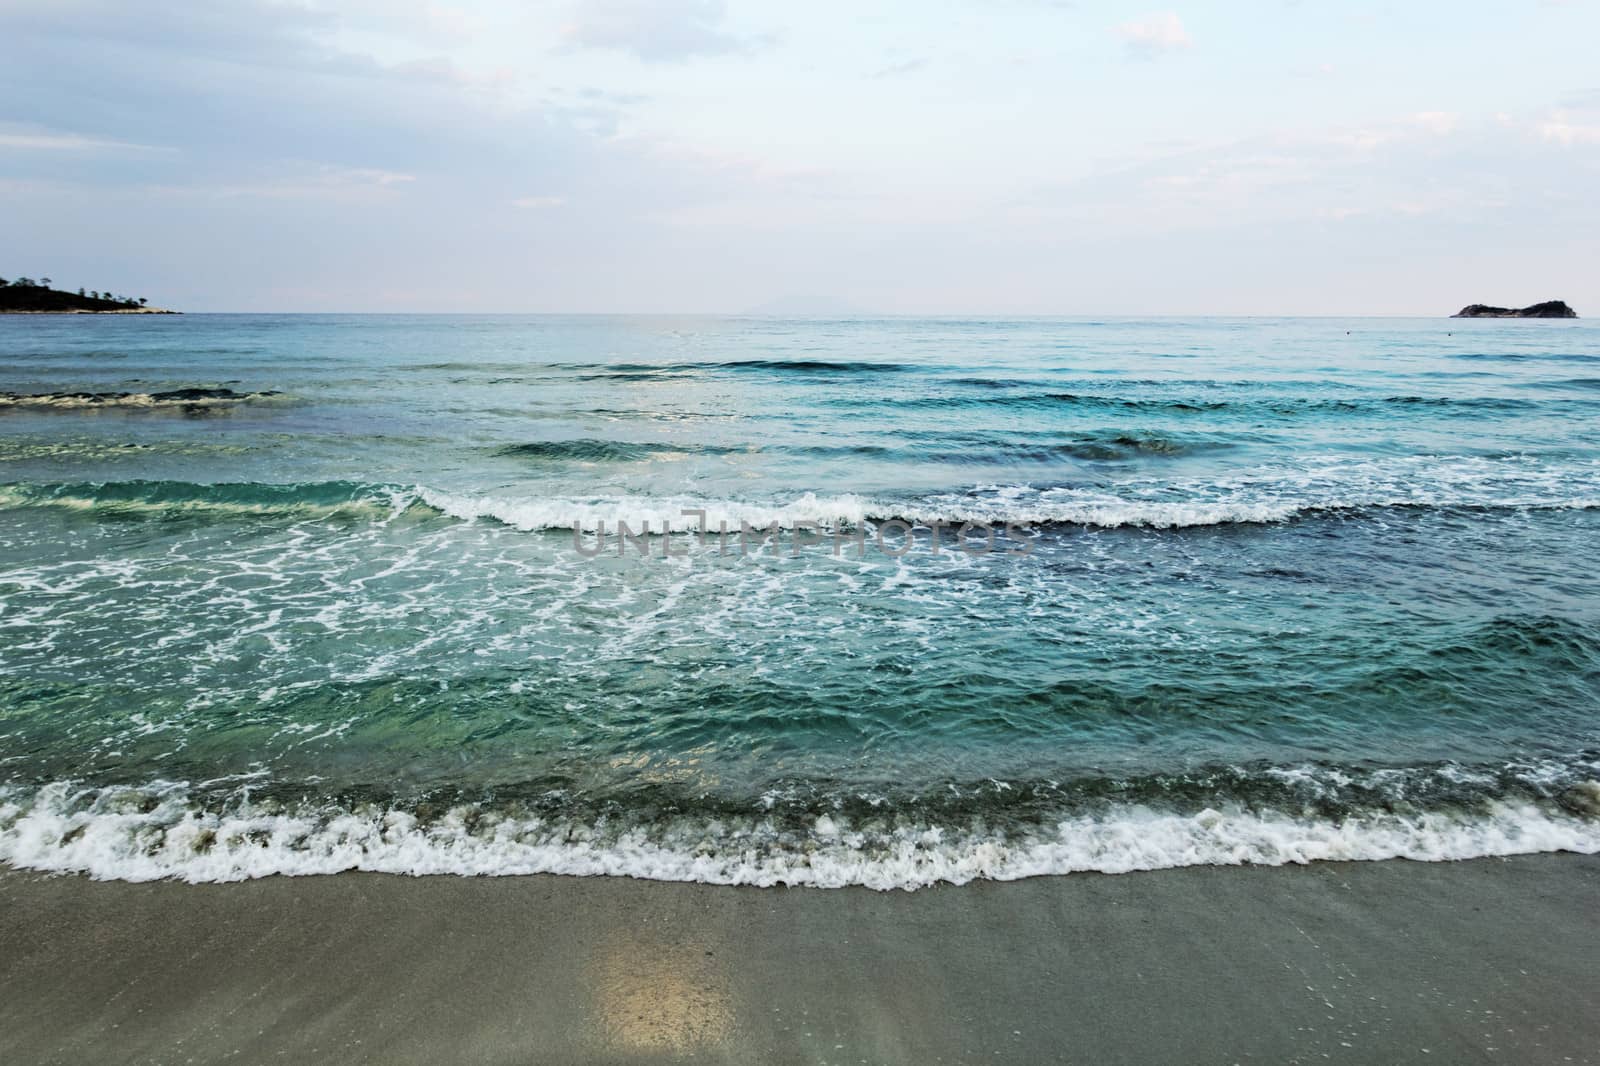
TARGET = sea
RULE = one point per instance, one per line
(888, 602)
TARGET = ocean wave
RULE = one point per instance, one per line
(1101, 445)
(801, 367)
(817, 366)
(159, 499)
(185, 399)
(943, 448)
(653, 513)
(599, 451)
(811, 511)
(169, 830)
(1326, 486)
(1177, 406)
(1527, 357)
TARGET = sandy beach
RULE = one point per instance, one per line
(1493, 960)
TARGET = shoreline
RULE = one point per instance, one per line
(1395, 961)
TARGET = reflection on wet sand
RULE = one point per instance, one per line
(656, 996)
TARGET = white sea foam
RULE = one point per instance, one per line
(1093, 509)
(1316, 484)
(149, 834)
(70, 401)
(382, 503)
(653, 513)
(809, 511)
(1313, 485)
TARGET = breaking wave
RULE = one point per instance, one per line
(186, 399)
(1440, 813)
(176, 499)
(1342, 489)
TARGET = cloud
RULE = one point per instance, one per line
(30, 139)
(1438, 123)
(321, 167)
(1460, 170)
(1154, 34)
(246, 93)
(654, 31)
(351, 155)
(349, 184)
(895, 70)
(1562, 128)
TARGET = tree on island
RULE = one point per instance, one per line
(24, 294)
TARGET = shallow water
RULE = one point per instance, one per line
(1257, 590)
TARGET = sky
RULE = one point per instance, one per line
(965, 157)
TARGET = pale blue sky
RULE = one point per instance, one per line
(948, 156)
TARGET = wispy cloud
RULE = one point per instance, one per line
(306, 183)
(22, 139)
(1462, 169)
(1154, 34)
(895, 70)
(537, 202)
(655, 31)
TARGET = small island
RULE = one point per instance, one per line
(25, 296)
(1548, 309)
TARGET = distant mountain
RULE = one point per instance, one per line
(1548, 309)
(26, 296)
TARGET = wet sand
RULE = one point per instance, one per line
(1485, 961)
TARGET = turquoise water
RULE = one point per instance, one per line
(295, 594)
